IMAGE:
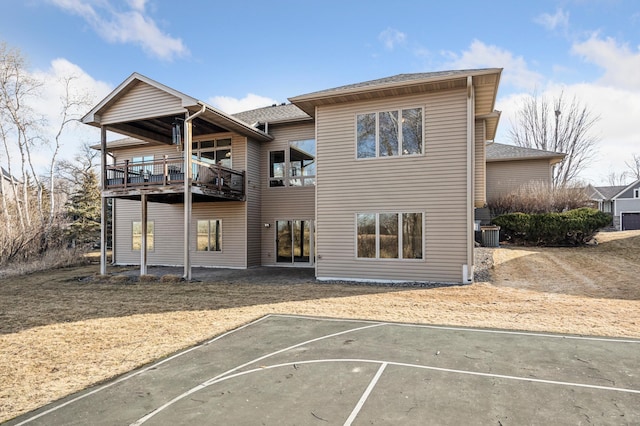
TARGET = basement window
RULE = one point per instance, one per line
(389, 235)
(136, 240)
(209, 235)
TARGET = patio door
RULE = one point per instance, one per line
(294, 242)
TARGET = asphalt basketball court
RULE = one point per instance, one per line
(291, 370)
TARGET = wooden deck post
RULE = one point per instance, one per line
(143, 246)
(165, 170)
(103, 202)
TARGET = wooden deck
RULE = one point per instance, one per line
(164, 181)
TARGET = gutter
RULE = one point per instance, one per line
(467, 269)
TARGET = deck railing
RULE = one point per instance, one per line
(212, 178)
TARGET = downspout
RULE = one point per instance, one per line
(188, 179)
(467, 269)
(103, 201)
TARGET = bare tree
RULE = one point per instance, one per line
(17, 87)
(73, 102)
(72, 173)
(634, 166)
(617, 179)
(559, 126)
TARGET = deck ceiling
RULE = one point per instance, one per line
(159, 129)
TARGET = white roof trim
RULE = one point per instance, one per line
(615, 197)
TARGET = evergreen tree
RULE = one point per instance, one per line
(83, 209)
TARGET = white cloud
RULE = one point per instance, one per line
(559, 20)
(137, 4)
(232, 105)
(516, 72)
(130, 26)
(48, 105)
(620, 63)
(392, 38)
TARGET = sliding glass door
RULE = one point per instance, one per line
(294, 242)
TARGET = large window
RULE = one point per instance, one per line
(389, 133)
(136, 240)
(295, 166)
(389, 235)
(209, 235)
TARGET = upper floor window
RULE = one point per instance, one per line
(389, 133)
(213, 151)
(146, 164)
(295, 166)
(636, 193)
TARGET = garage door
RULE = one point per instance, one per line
(630, 221)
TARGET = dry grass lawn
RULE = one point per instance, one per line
(60, 334)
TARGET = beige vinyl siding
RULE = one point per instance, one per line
(434, 184)
(169, 235)
(504, 177)
(142, 101)
(254, 204)
(169, 222)
(479, 193)
(283, 203)
(168, 232)
(234, 231)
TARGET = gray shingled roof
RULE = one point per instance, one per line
(270, 114)
(608, 192)
(399, 78)
(503, 152)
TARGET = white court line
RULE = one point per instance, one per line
(154, 365)
(422, 367)
(477, 330)
(398, 364)
(217, 378)
(365, 395)
(129, 376)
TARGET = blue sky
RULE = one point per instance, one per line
(243, 54)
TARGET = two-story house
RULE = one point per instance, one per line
(375, 181)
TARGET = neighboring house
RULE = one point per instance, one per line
(623, 202)
(9, 185)
(376, 181)
(510, 167)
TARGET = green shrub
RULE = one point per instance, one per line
(574, 227)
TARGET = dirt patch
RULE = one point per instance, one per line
(608, 269)
(61, 332)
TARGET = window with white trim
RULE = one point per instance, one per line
(209, 236)
(136, 235)
(390, 235)
(390, 133)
